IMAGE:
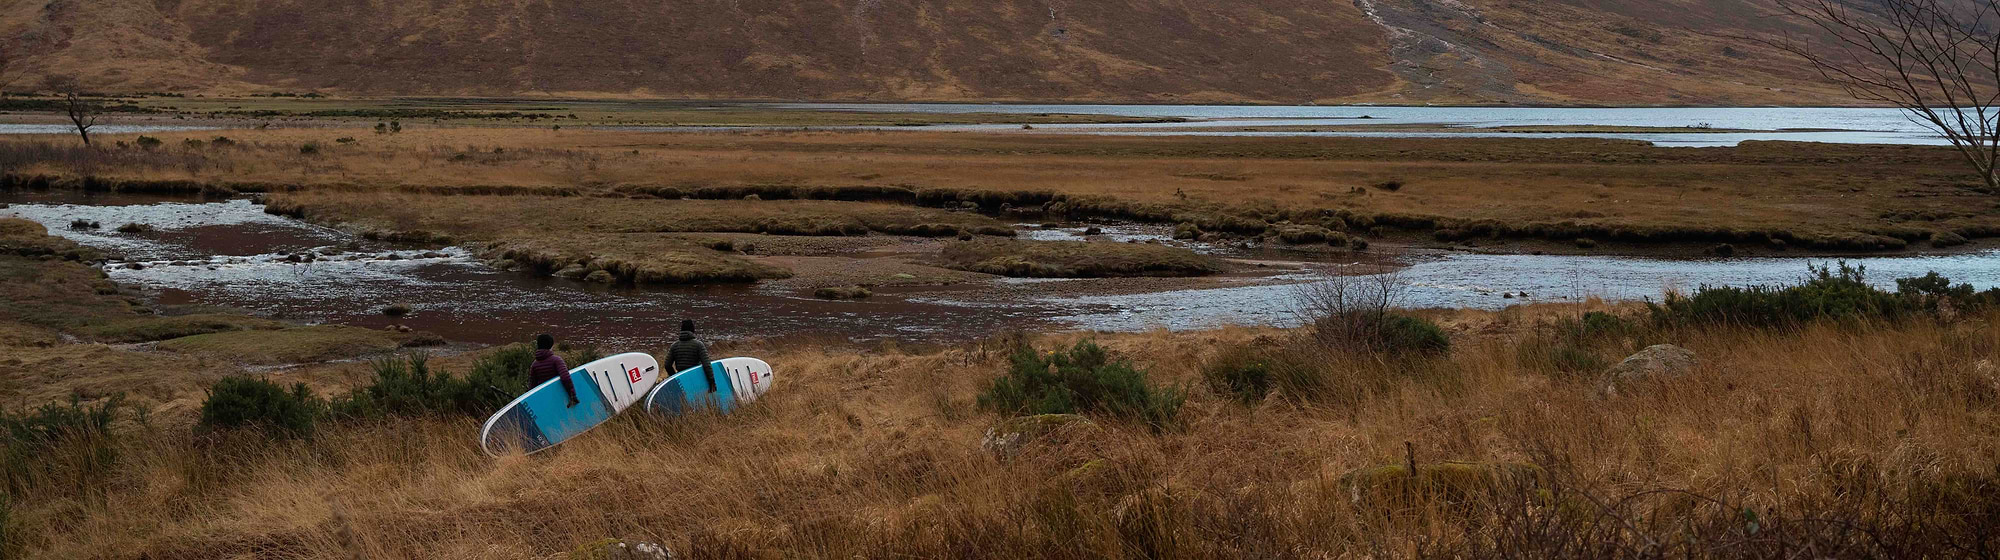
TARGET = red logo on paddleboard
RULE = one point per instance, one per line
(633, 375)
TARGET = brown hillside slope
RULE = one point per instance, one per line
(1284, 51)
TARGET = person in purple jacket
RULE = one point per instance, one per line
(550, 366)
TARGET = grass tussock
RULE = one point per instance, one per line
(633, 259)
(1075, 259)
(27, 238)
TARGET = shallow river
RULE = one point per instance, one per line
(1805, 124)
(230, 253)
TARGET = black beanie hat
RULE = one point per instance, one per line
(545, 341)
(687, 325)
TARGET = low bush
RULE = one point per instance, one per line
(406, 385)
(244, 402)
(1084, 379)
(1828, 292)
(148, 142)
(1357, 314)
(1405, 333)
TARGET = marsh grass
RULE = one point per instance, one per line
(1075, 259)
(1905, 200)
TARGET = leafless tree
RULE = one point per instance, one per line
(82, 113)
(1348, 311)
(1938, 60)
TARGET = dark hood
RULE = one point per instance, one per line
(543, 354)
(687, 335)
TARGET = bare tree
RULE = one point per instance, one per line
(1348, 311)
(1938, 60)
(82, 113)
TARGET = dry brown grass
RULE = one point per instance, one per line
(877, 454)
(1808, 192)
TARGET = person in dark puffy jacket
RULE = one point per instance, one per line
(550, 366)
(688, 352)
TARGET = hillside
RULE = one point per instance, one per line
(1281, 51)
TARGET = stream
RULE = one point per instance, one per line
(229, 253)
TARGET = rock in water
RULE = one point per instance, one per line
(1656, 362)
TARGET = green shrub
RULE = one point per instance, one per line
(309, 148)
(1840, 292)
(403, 386)
(239, 402)
(148, 142)
(406, 386)
(58, 444)
(1083, 379)
(1403, 333)
(222, 142)
(1242, 373)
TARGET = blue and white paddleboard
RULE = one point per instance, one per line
(542, 417)
(737, 381)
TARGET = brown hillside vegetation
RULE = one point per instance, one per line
(1286, 51)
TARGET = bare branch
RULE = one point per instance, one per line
(1938, 61)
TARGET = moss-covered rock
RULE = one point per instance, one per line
(1007, 438)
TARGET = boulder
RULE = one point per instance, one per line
(600, 277)
(1656, 362)
(572, 272)
(1007, 438)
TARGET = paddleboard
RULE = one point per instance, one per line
(737, 381)
(542, 417)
